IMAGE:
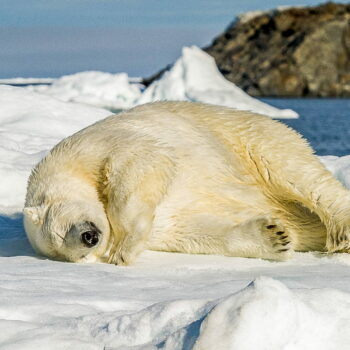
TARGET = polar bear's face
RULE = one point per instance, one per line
(68, 231)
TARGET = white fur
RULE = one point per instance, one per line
(187, 177)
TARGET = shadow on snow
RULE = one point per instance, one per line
(13, 240)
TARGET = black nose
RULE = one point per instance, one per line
(89, 238)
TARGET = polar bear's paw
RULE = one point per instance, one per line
(126, 252)
(119, 258)
(338, 240)
(277, 242)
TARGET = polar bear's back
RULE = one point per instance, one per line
(176, 123)
(205, 136)
(216, 138)
(195, 125)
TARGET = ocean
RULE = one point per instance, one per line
(324, 122)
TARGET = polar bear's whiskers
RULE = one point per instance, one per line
(57, 234)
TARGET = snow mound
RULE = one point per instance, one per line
(110, 91)
(195, 77)
(339, 166)
(30, 125)
(266, 315)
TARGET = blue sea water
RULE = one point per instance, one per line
(325, 122)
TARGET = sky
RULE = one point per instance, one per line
(41, 38)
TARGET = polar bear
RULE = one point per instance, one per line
(184, 177)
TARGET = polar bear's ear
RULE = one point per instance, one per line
(34, 213)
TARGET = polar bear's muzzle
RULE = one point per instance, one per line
(89, 234)
(90, 238)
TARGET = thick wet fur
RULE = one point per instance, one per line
(184, 177)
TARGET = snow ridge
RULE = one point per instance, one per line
(194, 77)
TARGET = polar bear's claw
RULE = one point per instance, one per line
(338, 243)
(276, 240)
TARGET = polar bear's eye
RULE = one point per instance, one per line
(89, 238)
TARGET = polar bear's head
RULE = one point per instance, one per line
(70, 231)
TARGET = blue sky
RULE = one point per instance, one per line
(42, 38)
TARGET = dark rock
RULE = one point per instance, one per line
(301, 51)
(297, 51)
(149, 80)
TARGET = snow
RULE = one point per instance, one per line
(165, 301)
(194, 77)
(249, 15)
(340, 167)
(106, 90)
(175, 301)
(30, 124)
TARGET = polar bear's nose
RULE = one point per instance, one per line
(90, 238)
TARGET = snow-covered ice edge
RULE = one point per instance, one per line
(193, 77)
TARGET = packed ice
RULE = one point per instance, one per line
(100, 89)
(165, 301)
(193, 77)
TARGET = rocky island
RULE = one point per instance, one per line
(296, 51)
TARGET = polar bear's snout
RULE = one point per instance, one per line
(91, 236)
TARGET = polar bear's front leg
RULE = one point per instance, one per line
(134, 189)
(131, 232)
(261, 237)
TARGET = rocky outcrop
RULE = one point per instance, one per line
(297, 51)
(300, 51)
